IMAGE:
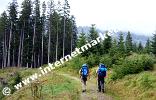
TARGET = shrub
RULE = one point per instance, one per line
(76, 63)
(107, 60)
(132, 64)
(93, 60)
(1, 94)
(15, 80)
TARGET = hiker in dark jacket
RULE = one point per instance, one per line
(101, 74)
(84, 73)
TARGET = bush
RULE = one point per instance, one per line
(93, 60)
(1, 94)
(15, 80)
(107, 60)
(132, 64)
(76, 63)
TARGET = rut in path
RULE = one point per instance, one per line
(91, 93)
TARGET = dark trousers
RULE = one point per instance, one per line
(101, 84)
(83, 80)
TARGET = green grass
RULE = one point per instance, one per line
(140, 86)
(54, 87)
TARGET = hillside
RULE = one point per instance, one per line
(64, 84)
(50, 87)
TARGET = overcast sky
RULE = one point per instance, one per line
(133, 15)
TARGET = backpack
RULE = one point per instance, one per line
(102, 70)
(84, 70)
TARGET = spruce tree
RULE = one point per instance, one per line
(140, 47)
(50, 27)
(107, 43)
(148, 46)
(37, 36)
(58, 17)
(128, 43)
(154, 44)
(135, 49)
(66, 14)
(74, 33)
(43, 27)
(93, 34)
(121, 45)
(26, 34)
(114, 48)
(4, 29)
(81, 39)
(12, 34)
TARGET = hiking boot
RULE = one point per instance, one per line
(103, 91)
(99, 90)
(83, 90)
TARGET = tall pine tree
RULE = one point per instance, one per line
(128, 43)
(154, 44)
(148, 46)
(12, 47)
(107, 44)
(121, 44)
(26, 35)
(3, 39)
(140, 47)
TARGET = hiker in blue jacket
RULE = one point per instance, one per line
(101, 74)
(84, 73)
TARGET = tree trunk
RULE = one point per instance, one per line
(71, 38)
(49, 42)
(10, 38)
(33, 51)
(34, 59)
(13, 58)
(21, 61)
(13, 51)
(42, 48)
(64, 30)
(38, 60)
(27, 63)
(21, 64)
(19, 51)
(4, 50)
(57, 44)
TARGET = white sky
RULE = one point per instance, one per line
(133, 15)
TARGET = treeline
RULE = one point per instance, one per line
(36, 35)
(116, 47)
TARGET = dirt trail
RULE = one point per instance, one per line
(91, 93)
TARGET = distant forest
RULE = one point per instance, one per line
(38, 34)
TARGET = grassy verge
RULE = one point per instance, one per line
(50, 87)
(140, 86)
